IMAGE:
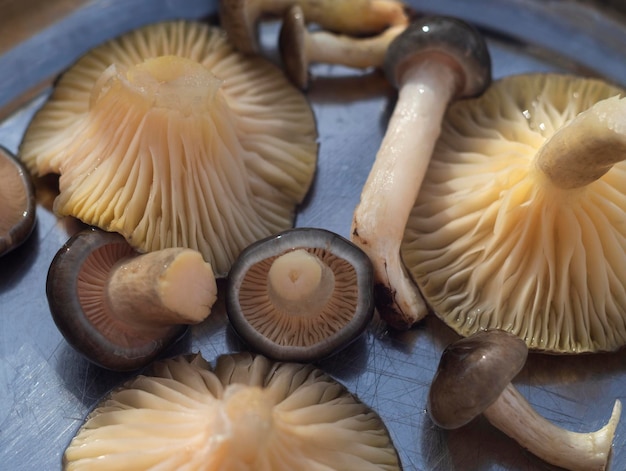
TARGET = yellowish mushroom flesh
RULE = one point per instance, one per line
(493, 242)
(171, 138)
(246, 413)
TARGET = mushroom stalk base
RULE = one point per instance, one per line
(394, 182)
(514, 416)
(585, 149)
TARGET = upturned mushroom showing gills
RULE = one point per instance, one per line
(300, 295)
(119, 308)
(240, 18)
(519, 222)
(299, 47)
(17, 203)
(246, 413)
(474, 377)
(435, 60)
(170, 137)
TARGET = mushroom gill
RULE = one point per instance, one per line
(171, 138)
(247, 412)
(498, 239)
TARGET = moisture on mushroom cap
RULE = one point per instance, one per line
(245, 413)
(119, 308)
(513, 229)
(300, 295)
(17, 203)
(170, 137)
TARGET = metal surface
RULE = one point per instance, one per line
(46, 388)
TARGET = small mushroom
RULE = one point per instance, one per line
(17, 203)
(519, 221)
(435, 60)
(171, 138)
(240, 18)
(120, 308)
(474, 377)
(246, 413)
(300, 295)
(299, 47)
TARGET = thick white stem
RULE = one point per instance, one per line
(586, 148)
(514, 416)
(360, 53)
(394, 182)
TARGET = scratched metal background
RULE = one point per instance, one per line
(46, 388)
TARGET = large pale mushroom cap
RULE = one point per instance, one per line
(248, 413)
(171, 138)
(493, 243)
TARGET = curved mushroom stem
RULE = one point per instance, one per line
(514, 416)
(162, 288)
(299, 47)
(394, 181)
(585, 149)
(356, 17)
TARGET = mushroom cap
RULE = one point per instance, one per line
(472, 373)
(490, 245)
(170, 137)
(245, 413)
(17, 203)
(292, 46)
(315, 325)
(447, 39)
(76, 291)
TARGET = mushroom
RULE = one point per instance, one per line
(17, 203)
(119, 308)
(171, 138)
(435, 60)
(474, 377)
(240, 18)
(299, 47)
(518, 224)
(246, 413)
(300, 295)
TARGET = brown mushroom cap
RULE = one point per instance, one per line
(17, 203)
(300, 295)
(119, 308)
(471, 375)
(246, 413)
(492, 244)
(171, 138)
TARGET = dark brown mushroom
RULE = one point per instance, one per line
(301, 295)
(474, 377)
(435, 60)
(17, 202)
(119, 308)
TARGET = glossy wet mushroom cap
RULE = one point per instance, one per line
(300, 295)
(17, 202)
(453, 40)
(471, 375)
(246, 412)
(119, 308)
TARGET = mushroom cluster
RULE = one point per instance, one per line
(120, 308)
(247, 412)
(170, 137)
(474, 377)
(519, 221)
(17, 203)
(300, 295)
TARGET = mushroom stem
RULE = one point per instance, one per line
(585, 149)
(512, 414)
(394, 181)
(162, 288)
